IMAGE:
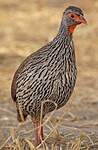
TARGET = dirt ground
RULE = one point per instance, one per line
(25, 26)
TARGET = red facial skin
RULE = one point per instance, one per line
(79, 19)
(71, 28)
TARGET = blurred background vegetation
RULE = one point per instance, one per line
(25, 26)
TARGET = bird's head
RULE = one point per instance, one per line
(72, 17)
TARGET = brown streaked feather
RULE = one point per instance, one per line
(14, 86)
(20, 68)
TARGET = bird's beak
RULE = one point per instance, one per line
(81, 19)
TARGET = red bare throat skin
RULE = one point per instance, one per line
(72, 28)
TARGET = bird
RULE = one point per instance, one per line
(45, 80)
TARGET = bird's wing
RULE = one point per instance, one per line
(35, 58)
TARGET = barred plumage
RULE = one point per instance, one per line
(48, 74)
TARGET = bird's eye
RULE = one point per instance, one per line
(72, 16)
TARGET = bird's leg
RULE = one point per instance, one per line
(38, 131)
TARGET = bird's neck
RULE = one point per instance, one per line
(63, 35)
(66, 30)
(63, 30)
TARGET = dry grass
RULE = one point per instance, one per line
(17, 142)
(24, 27)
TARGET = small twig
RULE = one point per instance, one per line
(5, 142)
